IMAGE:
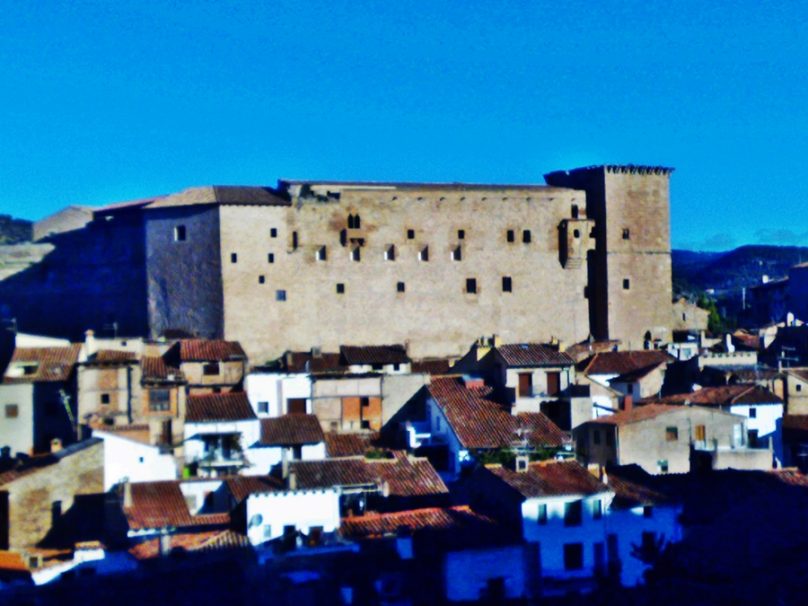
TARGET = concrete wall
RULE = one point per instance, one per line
(127, 460)
(32, 497)
(397, 390)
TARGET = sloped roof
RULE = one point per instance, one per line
(155, 369)
(243, 486)
(232, 406)
(111, 356)
(209, 540)
(377, 525)
(550, 478)
(635, 375)
(432, 366)
(135, 432)
(206, 350)
(162, 505)
(374, 354)
(725, 395)
(479, 421)
(636, 414)
(221, 194)
(53, 364)
(622, 362)
(291, 430)
(305, 361)
(533, 354)
(349, 444)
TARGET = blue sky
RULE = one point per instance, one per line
(108, 101)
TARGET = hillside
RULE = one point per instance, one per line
(731, 270)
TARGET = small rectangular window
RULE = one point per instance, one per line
(340, 288)
(295, 242)
(507, 284)
(700, 433)
(211, 369)
(179, 233)
(233, 258)
(626, 233)
(356, 254)
(573, 513)
(662, 465)
(574, 211)
(471, 285)
(597, 509)
(753, 412)
(410, 234)
(461, 234)
(159, 400)
(626, 284)
(390, 253)
(510, 235)
(671, 434)
(424, 254)
(270, 258)
(401, 287)
(104, 398)
(526, 237)
(280, 295)
(273, 232)
(261, 279)
(542, 518)
(322, 254)
(573, 556)
(12, 411)
(263, 407)
(457, 254)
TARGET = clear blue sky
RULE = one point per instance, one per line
(107, 101)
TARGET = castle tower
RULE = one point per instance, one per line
(629, 272)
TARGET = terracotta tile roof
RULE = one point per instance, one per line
(540, 430)
(635, 375)
(53, 364)
(633, 486)
(746, 341)
(349, 444)
(795, 423)
(405, 477)
(724, 395)
(233, 406)
(199, 541)
(221, 194)
(533, 354)
(378, 525)
(622, 362)
(291, 430)
(550, 478)
(374, 354)
(155, 369)
(111, 356)
(638, 413)
(586, 349)
(135, 433)
(12, 561)
(304, 361)
(479, 421)
(162, 505)
(792, 476)
(206, 350)
(433, 366)
(243, 486)
(800, 373)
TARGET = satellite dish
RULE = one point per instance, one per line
(256, 520)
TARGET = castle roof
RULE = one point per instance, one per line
(220, 194)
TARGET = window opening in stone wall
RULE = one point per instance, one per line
(574, 211)
(671, 434)
(12, 411)
(461, 234)
(273, 232)
(357, 222)
(261, 279)
(410, 234)
(211, 369)
(401, 287)
(270, 258)
(233, 258)
(350, 222)
(356, 254)
(322, 254)
(457, 254)
(510, 235)
(340, 288)
(507, 284)
(576, 233)
(626, 284)
(294, 240)
(526, 236)
(104, 398)
(390, 253)
(280, 295)
(471, 285)
(424, 254)
(626, 233)
(179, 233)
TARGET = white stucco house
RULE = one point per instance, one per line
(130, 457)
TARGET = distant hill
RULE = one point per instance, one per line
(15, 231)
(734, 269)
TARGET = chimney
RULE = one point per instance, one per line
(165, 544)
(291, 481)
(127, 495)
(90, 346)
(55, 445)
(284, 464)
(522, 463)
(628, 402)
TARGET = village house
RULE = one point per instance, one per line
(285, 439)
(637, 374)
(131, 456)
(38, 399)
(795, 390)
(561, 507)
(208, 365)
(456, 420)
(666, 438)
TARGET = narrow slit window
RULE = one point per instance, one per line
(322, 254)
(510, 235)
(350, 222)
(233, 258)
(526, 236)
(180, 233)
(261, 279)
(626, 284)
(424, 254)
(471, 285)
(356, 254)
(574, 211)
(457, 254)
(461, 234)
(270, 258)
(401, 287)
(410, 234)
(507, 284)
(390, 253)
(340, 288)
(295, 241)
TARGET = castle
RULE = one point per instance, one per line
(317, 264)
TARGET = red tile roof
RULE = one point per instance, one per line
(539, 430)
(243, 486)
(622, 362)
(405, 476)
(479, 421)
(155, 369)
(304, 361)
(725, 395)
(233, 406)
(198, 541)
(638, 413)
(111, 356)
(136, 433)
(208, 350)
(374, 354)
(291, 430)
(795, 423)
(378, 525)
(162, 505)
(349, 444)
(533, 354)
(550, 478)
(433, 366)
(53, 364)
